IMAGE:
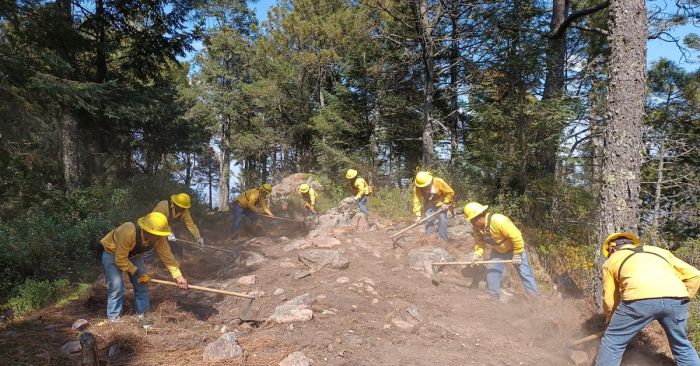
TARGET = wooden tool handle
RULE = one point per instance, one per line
(207, 246)
(416, 224)
(471, 263)
(207, 289)
(280, 218)
(587, 339)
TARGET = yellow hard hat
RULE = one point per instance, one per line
(303, 188)
(155, 223)
(182, 200)
(474, 209)
(267, 187)
(351, 173)
(610, 242)
(423, 179)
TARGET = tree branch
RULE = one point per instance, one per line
(575, 15)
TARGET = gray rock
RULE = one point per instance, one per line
(279, 291)
(402, 324)
(224, 348)
(301, 274)
(296, 245)
(297, 359)
(325, 241)
(248, 258)
(294, 310)
(421, 258)
(80, 325)
(71, 347)
(317, 259)
(113, 352)
(342, 280)
(247, 280)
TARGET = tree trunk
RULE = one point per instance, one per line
(428, 48)
(70, 153)
(374, 121)
(188, 168)
(622, 144)
(210, 181)
(225, 165)
(100, 57)
(454, 82)
(658, 186)
(556, 52)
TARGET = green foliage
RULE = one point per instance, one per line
(55, 238)
(34, 295)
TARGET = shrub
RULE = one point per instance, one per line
(34, 295)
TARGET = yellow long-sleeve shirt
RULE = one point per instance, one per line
(360, 188)
(166, 208)
(310, 197)
(504, 236)
(440, 194)
(122, 240)
(646, 276)
(252, 198)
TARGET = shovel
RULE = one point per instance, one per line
(439, 264)
(207, 246)
(395, 237)
(245, 310)
(282, 219)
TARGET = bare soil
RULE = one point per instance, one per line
(385, 314)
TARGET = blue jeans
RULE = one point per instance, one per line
(363, 204)
(631, 317)
(238, 213)
(494, 274)
(176, 248)
(115, 288)
(442, 223)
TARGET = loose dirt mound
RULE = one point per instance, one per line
(376, 310)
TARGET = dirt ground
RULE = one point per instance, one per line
(379, 311)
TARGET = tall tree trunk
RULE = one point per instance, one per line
(658, 186)
(556, 52)
(428, 48)
(70, 149)
(375, 158)
(210, 181)
(454, 81)
(100, 57)
(619, 198)
(225, 165)
(188, 169)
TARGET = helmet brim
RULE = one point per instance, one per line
(142, 223)
(174, 200)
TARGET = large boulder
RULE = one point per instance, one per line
(224, 348)
(296, 359)
(317, 259)
(421, 258)
(248, 258)
(294, 310)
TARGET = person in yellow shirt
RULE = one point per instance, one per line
(643, 283)
(429, 195)
(177, 209)
(247, 204)
(506, 242)
(122, 252)
(309, 196)
(360, 189)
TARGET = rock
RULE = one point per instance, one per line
(224, 329)
(296, 359)
(402, 324)
(80, 325)
(421, 258)
(294, 310)
(579, 358)
(113, 352)
(325, 242)
(247, 280)
(375, 301)
(415, 315)
(224, 348)
(461, 232)
(317, 259)
(342, 280)
(301, 274)
(286, 264)
(278, 292)
(361, 223)
(248, 258)
(296, 245)
(71, 347)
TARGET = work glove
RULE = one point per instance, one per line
(200, 242)
(172, 237)
(356, 199)
(182, 282)
(518, 258)
(307, 206)
(144, 278)
(475, 257)
(444, 208)
(418, 218)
